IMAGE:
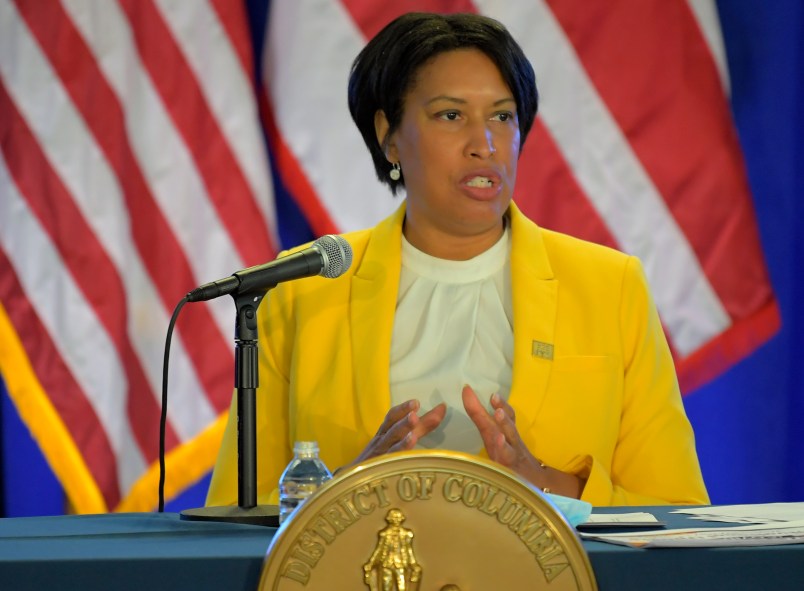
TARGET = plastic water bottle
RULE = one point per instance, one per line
(302, 477)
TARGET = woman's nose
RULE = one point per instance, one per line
(480, 143)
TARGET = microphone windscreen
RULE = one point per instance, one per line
(336, 253)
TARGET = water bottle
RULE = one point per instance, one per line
(305, 473)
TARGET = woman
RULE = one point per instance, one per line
(480, 331)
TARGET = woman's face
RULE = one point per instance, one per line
(457, 144)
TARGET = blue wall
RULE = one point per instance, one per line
(748, 422)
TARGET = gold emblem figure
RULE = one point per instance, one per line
(393, 566)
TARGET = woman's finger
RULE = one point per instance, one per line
(485, 423)
(430, 420)
(476, 411)
(497, 401)
(504, 449)
(508, 428)
(395, 435)
(422, 426)
(404, 444)
(396, 414)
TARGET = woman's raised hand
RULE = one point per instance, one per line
(402, 428)
(504, 446)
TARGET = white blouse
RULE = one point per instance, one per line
(453, 326)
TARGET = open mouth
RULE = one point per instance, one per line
(480, 181)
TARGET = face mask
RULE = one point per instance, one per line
(573, 510)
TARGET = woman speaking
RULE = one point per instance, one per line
(461, 324)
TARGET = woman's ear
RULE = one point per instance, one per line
(381, 127)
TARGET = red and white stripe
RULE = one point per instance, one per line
(612, 176)
(133, 169)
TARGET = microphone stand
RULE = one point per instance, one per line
(246, 383)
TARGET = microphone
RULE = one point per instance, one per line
(329, 256)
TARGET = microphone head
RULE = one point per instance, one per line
(336, 254)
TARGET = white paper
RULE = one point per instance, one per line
(641, 520)
(762, 513)
(615, 518)
(766, 534)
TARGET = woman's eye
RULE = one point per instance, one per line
(450, 115)
(503, 117)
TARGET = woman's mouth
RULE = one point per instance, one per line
(482, 185)
(480, 181)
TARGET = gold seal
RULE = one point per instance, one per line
(427, 521)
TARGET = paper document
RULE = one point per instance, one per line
(762, 513)
(766, 534)
(610, 520)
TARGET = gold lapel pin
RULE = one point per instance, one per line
(543, 350)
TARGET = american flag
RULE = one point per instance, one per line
(133, 167)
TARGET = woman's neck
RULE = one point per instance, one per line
(450, 246)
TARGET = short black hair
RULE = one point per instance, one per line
(385, 69)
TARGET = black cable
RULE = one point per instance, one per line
(163, 418)
(3, 394)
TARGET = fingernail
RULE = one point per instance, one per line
(495, 398)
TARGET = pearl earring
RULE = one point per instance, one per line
(395, 172)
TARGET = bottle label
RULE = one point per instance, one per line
(292, 494)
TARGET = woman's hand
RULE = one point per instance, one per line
(401, 429)
(504, 446)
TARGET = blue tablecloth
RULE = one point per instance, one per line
(145, 551)
(160, 551)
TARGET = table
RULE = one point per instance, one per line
(769, 568)
(159, 551)
(144, 551)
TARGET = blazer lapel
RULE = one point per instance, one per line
(373, 302)
(535, 295)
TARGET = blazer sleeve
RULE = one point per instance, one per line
(654, 461)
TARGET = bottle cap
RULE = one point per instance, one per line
(305, 447)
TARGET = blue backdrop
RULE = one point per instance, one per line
(748, 421)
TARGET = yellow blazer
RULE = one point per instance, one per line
(594, 387)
